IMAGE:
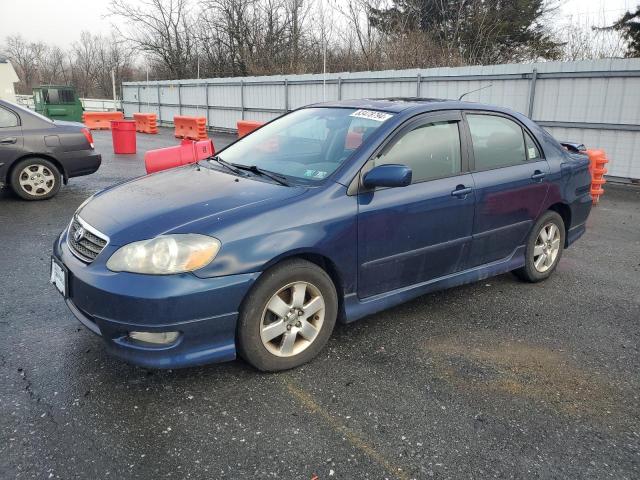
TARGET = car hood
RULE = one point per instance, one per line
(189, 199)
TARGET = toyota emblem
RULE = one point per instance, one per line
(78, 234)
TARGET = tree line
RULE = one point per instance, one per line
(176, 39)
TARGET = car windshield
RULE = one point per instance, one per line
(308, 144)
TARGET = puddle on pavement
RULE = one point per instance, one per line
(532, 373)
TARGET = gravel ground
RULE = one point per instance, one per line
(495, 379)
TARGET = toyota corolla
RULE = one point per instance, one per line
(328, 213)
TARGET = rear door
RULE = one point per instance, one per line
(413, 234)
(511, 183)
(11, 141)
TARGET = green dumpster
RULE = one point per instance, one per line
(58, 102)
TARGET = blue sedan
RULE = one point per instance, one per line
(329, 213)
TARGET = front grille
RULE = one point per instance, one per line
(87, 243)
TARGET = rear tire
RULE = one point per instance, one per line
(287, 317)
(35, 179)
(544, 248)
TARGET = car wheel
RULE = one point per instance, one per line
(544, 248)
(35, 179)
(288, 316)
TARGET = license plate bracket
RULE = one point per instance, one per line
(59, 277)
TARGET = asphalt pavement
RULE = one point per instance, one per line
(497, 379)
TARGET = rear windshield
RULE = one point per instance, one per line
(22, 110)
(308, 144)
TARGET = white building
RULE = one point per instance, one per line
(8, 77)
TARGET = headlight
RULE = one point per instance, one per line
(165, 254)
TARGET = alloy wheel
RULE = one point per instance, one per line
(292, 319)
(547, 247)
(37, 180)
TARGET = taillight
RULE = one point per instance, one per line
(87, 134)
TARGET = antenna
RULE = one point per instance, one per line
(473, 91)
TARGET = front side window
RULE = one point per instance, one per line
(308, 144)
(497, 141)
(431, 151)
(7, 119)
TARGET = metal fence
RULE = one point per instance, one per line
(593, 102)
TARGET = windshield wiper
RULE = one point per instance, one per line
(265, 173)
(229, 166)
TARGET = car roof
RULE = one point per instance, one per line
(401, 104)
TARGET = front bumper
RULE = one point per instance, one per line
(111, 304)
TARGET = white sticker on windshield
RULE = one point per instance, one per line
(372, 115)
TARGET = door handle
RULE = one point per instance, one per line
(538, 175)
(461, 191)
(8, 141)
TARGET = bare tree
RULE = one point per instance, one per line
(24, 57)
(163, 30)
(113, 55)
(51, 66)
(85, 63)
(581, 42)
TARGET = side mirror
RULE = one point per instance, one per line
(390, 175)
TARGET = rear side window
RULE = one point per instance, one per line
(8, 119)
(431, 151)
(533, 152)
(497, 142)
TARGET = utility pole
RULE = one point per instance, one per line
(113, 86)
(147, 91)
(324, 68)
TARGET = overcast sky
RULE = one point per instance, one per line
(61, 21)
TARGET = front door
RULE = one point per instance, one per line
(413, 234)
(511, 183)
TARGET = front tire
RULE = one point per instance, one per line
(35, 179)
(287, 317)
(544, 248)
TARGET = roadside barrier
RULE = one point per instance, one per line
(247, 126)
(100, 120)
(146, 122)
(188, 151)
(194, 128)
(598, 159)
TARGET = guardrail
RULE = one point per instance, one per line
(89, 104)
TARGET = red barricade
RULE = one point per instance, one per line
(100, 120)
(146, 122)
(194, 128)
(187, 152)
(247, 126)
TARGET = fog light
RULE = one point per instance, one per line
(159, 338)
